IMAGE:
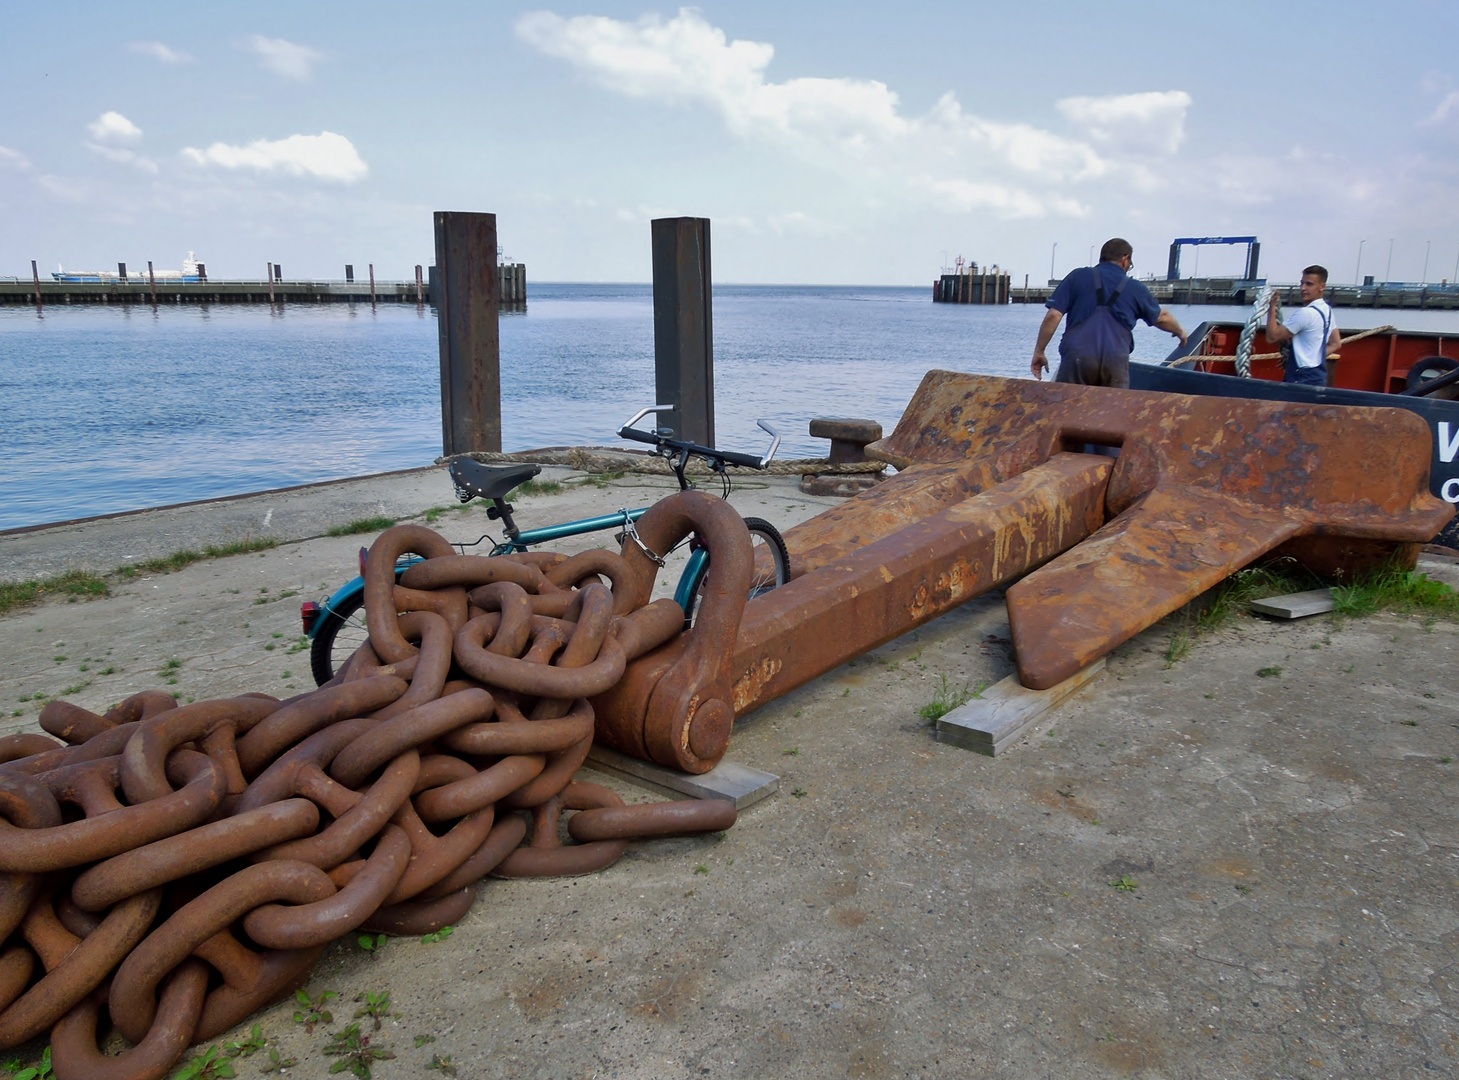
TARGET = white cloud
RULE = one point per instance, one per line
(112, 138)
(113, 127)
(285, 58)
(123, 156)
(1151, 123)
(325, 156)
(857, 126)
(1446, 108)
(160, 52)
(1007, 201)
(13, 159)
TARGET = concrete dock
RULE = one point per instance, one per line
(1183, 871)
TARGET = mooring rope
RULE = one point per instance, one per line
(597, 459)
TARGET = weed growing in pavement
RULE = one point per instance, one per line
(371, 943)
(1269, 672)
(1125, 883)
(948, 698)
(205, 1066)
(39, 1071)
(443, 1062)
(439, 935)
(794, 750)
(277, 1064)
(313, 1011)
(422, 1040)
(249, 1046)
(800, 793)
(363, 525)
(354, 1052)
(376, 1006)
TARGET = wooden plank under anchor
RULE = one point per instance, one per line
(1297, 605)
(990, 723)
(740, 784)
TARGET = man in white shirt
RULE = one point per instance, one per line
(1309, 329)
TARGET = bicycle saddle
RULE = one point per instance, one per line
(474, 480)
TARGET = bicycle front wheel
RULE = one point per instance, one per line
(339, 635)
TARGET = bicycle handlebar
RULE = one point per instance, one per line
(749, 461)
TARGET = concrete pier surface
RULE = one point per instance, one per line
(1188, 870)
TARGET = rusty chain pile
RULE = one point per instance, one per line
(179, 867)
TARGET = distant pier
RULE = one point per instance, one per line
(1407, 295)
(137, 289)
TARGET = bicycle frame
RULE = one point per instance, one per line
(524, 540)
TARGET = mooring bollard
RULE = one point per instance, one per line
(848, 445)
(466, 294)
(683, 327)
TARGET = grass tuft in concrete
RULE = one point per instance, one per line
(179, 559)
(1219, 606)
(1395, 589)
(948, 698)
(363, 525)
(74, 583)
(538, 487)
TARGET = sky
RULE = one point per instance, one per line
(845, 143)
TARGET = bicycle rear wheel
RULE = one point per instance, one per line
(772, 560)
(340, 633)
(771, 565)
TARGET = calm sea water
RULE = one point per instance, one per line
(110, 408)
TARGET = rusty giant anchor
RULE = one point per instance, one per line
(995, 489)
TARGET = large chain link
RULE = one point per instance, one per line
(143, 848)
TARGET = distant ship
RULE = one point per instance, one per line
(192, 270)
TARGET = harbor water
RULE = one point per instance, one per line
(107, 409)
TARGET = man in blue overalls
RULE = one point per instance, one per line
(1102, 302)
(1309, 329)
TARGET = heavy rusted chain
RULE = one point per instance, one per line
(133, 849)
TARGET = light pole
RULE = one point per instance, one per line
(1358, 273)
(1388, 270)
(1052, 253)
(1425, 279)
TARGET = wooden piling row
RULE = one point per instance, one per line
(988, 286)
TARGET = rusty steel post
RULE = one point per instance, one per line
(683, 327)
(467, 308)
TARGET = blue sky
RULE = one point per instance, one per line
(829, 143)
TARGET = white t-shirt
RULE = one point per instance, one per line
(1309, 333)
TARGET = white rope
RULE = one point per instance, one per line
(1248, 332)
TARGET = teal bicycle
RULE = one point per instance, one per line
(337, 625)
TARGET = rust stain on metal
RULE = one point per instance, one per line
(749, 685)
